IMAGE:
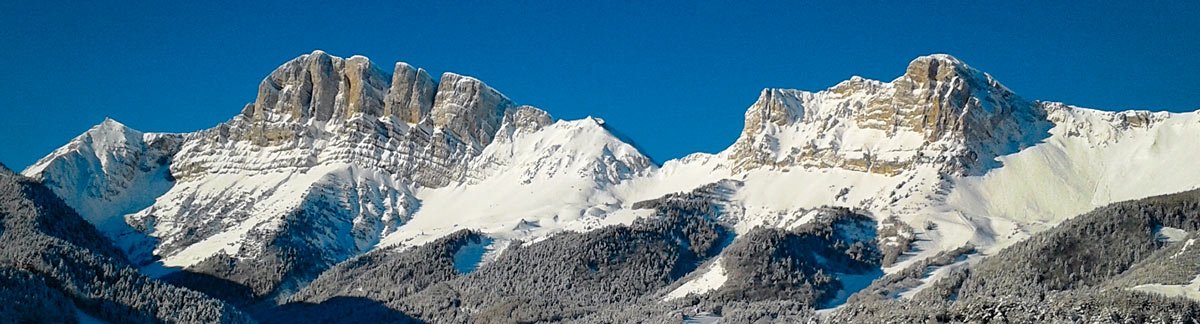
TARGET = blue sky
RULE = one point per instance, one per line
(676, 77)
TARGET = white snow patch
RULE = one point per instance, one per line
(1084, 164)
(712, 279)
(469, 257)
(937, 274)
(1186, 245)
(1169, 234)
(852, 283)
(702, 318)
(559, 178)
(1190, 291)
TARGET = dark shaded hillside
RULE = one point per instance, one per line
(359, 288)
(612, 274)
(52, 262)
(390, 275)
(1084, 251)
(573, 274)
(776, 274)
(1078, 272)
(563, 277)
(1074, 272)
(285, 265)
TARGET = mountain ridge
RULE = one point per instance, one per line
(336, 159)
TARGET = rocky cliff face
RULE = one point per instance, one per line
(941, 111)
(411, 96)
(319, 109)
(468, 109)
(321, 87)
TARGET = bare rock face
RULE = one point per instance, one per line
(527, 118)
(468, 108)
(319, 109)
(778, 107)
(363, 87)
(321, 87)
(411, 95)
(940, 111)
(953, 98)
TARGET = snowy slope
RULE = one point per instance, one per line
(710, 278)
(1190, 291)
(531, 182)
(367, 203)
(1093, 158)
(109, 171)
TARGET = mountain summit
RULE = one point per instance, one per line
(940, 111)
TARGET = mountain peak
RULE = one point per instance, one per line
(110, 125)
(930, 70)
(108, 121)
(321, 87)
(111, 131)
(469, 108)
(940, 57)
(937, 67)
(937, 99)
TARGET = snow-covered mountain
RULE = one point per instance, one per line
(338, 157)
(333, 157)
(110, 170)
(944, 147)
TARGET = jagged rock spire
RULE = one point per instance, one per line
(324, 88)
(468, 108)
(321, 87)
(411, 96)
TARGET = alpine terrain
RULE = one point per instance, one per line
(355, 191)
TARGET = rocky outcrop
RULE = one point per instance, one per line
(953, 99)
(940, 111)
(411, 96)
(468, 108)
(320, 109)
(778, 107)
(324, 88)
(321, 87)
(527, 119)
